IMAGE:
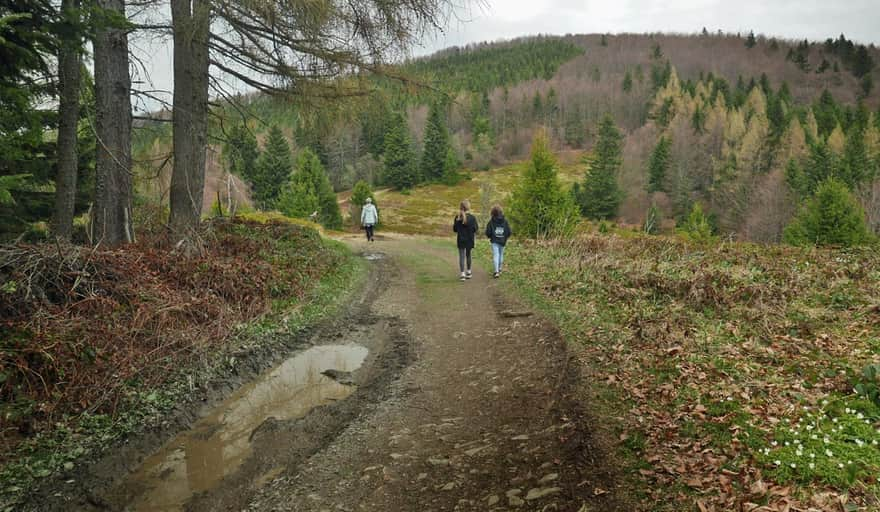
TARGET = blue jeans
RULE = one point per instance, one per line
(498, 256)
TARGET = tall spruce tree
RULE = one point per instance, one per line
(600, 196)
(436, 144)
(273, 169)
(539, 206)
(400, 169)
(658, 165)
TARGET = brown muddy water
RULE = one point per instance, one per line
(197, 460)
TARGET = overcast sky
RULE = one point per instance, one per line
(506, 19)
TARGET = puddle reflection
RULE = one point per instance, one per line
(196, 460)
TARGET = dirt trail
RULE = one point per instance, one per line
(487, 418)
(466, 401)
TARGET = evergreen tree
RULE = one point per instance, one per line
(298, 199)
(857, 167)
(751, 41)
(574, 128)
(832, 216)
(400, 169)
(359, 195)
(600, 196)
(658, 165)
(627, 82)
(697, 226)
(240, 151)
(539, 206)
(309, 191)
(451, 165)
(433, 165)
(827, 113)
(274, 166)
(361, 192)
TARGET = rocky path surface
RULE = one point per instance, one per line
(488, 416)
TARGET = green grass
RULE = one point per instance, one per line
(429, 209)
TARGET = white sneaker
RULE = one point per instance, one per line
(463, 276)
(468, 275)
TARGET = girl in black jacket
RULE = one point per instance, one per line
(465, 225)
(498, 231)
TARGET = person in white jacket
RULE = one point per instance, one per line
(369, 218)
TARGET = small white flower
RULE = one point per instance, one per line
(787, 443)
(833, 420)
(814, 436)
(860, 416)
(812, 466)
(812, 455)
(799, 453)
(829, 453)
(777, 462)
(809, 427)
(797, 441)
(824, 402)
(840, 466)
(849, 462)
(773, 443)
(847, 410)
(793, 465)
(874, 442)
(826, 440)
(860, 443)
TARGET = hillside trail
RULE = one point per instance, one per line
(466, 401)
(489, 416)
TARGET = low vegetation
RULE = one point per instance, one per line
(90, 338)
(734, 376)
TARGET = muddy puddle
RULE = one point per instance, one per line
(198, 459)
(374, 256)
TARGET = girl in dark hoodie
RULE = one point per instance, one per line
(465, 225)
(498, 231)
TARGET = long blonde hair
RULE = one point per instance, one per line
(463, 210)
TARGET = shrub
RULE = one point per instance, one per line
(697, 227)
(831, 217)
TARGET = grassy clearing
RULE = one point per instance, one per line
(428, 210)
(281, 277)
(727, 372)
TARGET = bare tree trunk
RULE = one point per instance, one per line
(69, 64)
(111, 216)
(191, 23)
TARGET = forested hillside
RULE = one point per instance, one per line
(741, 118)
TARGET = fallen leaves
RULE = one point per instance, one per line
(710, 349)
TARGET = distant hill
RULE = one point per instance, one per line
(497, 94)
